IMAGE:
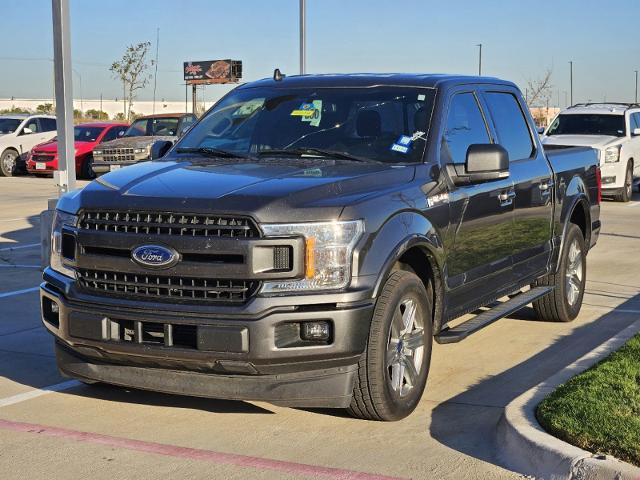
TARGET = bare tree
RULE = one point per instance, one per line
(539, 91)
(131, 70)
(538, 96)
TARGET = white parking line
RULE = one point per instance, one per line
(21, 397)
(19, 292)
(633, 204)
(19, 247)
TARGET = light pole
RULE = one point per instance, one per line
(479, 45)
(303, 37)
(571, 81)
(636, 86)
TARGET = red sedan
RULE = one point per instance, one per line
(43, 158)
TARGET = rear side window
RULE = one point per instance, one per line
(465, 126)
(511, 126)
(48, 124)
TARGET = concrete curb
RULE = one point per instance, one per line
(526, 448)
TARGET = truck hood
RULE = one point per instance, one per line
(134, 142)
(270, 191)
(594, 141)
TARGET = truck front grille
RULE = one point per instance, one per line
(157, 287)
(157, 223)
(118, 155)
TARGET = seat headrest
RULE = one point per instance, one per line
(368, 124)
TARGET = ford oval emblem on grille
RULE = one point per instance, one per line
(155, 256)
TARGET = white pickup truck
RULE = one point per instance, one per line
(613, 129)
(18, 135)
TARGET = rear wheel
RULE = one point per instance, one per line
(627, 190)
(8, 162)
(565, 300)
(392, 372)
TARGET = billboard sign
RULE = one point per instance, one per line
(213, 71)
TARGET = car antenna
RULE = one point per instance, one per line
(278, 75)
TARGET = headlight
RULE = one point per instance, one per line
(59, 220)
(328, 253)
(612, 154)
(97, 152)
(141, 150)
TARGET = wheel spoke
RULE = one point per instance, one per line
(392, 351)
(415, 339)
(410, 373)
(409, 316)
(397, 375)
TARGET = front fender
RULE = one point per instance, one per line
(396, 236)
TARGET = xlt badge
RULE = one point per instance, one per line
(155, 256)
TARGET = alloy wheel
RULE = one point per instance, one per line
(574, 273)
(405, 348)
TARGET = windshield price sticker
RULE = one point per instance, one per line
(309, 112)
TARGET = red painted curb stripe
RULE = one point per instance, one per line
(193, 453)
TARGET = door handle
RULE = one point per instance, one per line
(545, 185)
(506, 198)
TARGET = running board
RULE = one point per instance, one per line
(504, 309)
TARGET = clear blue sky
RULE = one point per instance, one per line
(521, 39)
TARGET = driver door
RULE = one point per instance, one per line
(479, 261)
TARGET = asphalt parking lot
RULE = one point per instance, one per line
(108, 432)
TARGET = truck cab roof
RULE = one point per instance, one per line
(428, 80)
(601, 109)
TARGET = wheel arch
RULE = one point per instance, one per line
(408, 241)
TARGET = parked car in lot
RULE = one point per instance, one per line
(18, 135)
(134, 145)
(613, 129)
(43, 159)
(309, 237)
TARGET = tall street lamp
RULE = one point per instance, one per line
(479, 45)
(303, 35)
(571, 81)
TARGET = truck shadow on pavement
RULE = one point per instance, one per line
(20, 236)
(468, 421)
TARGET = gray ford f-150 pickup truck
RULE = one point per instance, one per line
(306, 241)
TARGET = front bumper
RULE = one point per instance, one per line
(104, 167)
(246, 364)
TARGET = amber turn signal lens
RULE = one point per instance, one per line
(310, 257)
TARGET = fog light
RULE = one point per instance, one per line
(55, 308)
(608, 180)
(315, 331)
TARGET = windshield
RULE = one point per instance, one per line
(167, 126)
(9, 125)
(387, 124)
(588, 124)
(87, 134)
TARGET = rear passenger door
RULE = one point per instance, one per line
(533, 182)
(479, 261)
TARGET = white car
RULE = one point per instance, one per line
(18, 135)
(611, 128)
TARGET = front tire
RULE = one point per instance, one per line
(8, 162)
(627, 190)
(393, 371)
(87, 172)
(564, 302)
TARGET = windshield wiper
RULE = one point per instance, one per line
(212, 152)
(318, 152)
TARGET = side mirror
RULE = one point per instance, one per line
(636, 132)
(26, 131)
(541, 130)
(159, 149)
(485, 162)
